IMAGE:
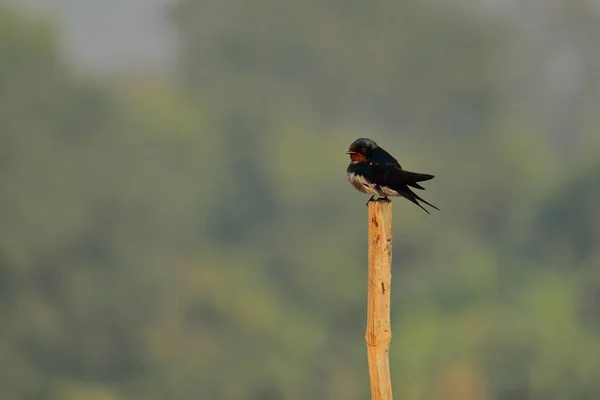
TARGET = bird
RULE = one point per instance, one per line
(374, 171)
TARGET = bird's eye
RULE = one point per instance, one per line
(363, 150)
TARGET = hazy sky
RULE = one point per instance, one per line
(110, 34)
(114, 34)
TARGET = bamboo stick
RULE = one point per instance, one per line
(379, 332)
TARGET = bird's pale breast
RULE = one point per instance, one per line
(362, 185)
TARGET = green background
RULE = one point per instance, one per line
(189, 233)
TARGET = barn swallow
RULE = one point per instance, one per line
(374, 171)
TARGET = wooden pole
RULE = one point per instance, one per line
(379, 331)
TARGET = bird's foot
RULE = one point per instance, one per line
(384, 198)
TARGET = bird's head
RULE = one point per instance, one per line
(361, 149)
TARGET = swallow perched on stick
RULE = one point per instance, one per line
(374, 171)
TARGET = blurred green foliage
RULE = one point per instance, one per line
(193, 236)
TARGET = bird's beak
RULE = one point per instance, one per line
(351, 152)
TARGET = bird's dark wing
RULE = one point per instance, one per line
(389, 174)
(416, 185)
(379, 155)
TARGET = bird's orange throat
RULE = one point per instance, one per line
(355, 157)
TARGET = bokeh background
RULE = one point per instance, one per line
(176, 222)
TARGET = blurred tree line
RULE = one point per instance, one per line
(193, 236)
